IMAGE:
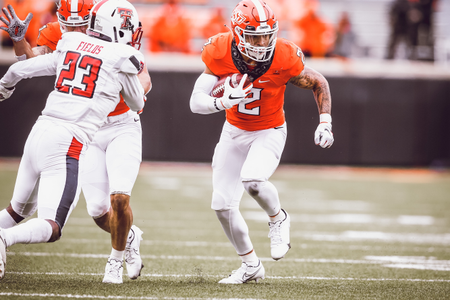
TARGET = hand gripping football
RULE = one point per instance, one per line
(219, 87)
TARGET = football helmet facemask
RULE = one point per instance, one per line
(255, 28)
(73, 12)
(116, 21)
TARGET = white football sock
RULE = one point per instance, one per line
(250, 258)
(118, 255)
(236, 229)
(280, 216)
(34, 231)
(6, 221)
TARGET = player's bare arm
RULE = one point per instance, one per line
(24, 48)
(312, 80)
(41, 50)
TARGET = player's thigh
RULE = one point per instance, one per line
(94, 180)
(24, 199)
(229, 155)
(264, 155)
(58, 187)
(123, 158)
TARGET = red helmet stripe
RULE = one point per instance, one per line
(97, 6)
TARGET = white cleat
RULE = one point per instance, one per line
(113, 271)
(2, 255)
(279, 237)
(245, 274)
(133, 259)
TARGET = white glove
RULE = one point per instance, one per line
(323, 135)
(15, 27)
(5, 93)
(232, 96)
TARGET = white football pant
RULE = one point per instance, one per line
(48, 173)
(245, 160)
(112, 162)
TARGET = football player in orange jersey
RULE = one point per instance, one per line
(113, 158)
(254, 133)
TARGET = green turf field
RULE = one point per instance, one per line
(356, 233)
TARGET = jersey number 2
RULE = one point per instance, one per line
(66, 79)
(255, 96)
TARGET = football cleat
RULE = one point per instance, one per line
(2, 255)
(133, 259)
(113, 271)
(245, 274)
(279, 237)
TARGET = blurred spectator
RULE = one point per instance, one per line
(171, 31)
(411, 23)
(49, 15)
(216, 24)
(421, 30)
(399, 14)
(315, 33)
(345, 37)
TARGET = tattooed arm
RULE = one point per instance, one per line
(312, 80)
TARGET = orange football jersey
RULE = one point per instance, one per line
(263, 108)
(49, 35)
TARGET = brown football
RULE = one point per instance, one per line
(219, 87)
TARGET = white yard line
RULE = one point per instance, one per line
(409, 262)
(220, 276)
(84, 296)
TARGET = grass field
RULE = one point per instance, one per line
(356, 233)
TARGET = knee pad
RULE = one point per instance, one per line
(253, 187)
(98, 209)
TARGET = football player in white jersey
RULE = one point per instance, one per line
(92, 71)
(112, 160)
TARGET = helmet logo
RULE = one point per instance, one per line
(238, 17)
(125, 14)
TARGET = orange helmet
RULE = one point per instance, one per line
(74, 12)
(255, 28)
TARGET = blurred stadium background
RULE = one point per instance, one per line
(387, 112)
(357, 233)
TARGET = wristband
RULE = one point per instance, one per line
(21, 57)
(215, 104)
(325, 118)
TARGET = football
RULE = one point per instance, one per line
(219, 87)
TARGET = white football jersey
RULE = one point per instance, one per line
(90, 76)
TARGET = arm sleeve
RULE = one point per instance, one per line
(201, 102)
(132, 91)
(43, 65)
(132, 64)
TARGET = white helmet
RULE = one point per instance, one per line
(115, 21)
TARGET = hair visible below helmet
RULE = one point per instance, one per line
(74, 12)
(252, 22)
(115, 21)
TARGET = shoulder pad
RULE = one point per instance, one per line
(289, 52)
(216, 47)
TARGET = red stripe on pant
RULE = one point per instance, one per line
(75, 149)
